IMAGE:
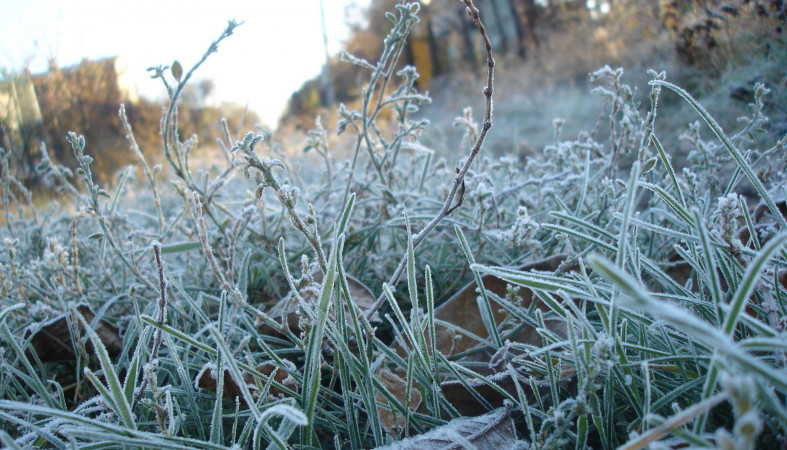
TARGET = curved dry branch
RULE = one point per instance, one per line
(458, 183)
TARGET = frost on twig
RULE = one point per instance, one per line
(458, 185)
(287, 195)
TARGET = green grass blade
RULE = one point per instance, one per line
(217, 418)
(35, 382)
(4, 313)
(412, 288)
(117, 395)
(42, 432)
(105, 394)
(670, 170)
(734, 152)
(709, 255)
(100, 425)
(311, 370)
(180, 247)
(132, 373)
(237, 375)
(346, 213)
(749, 281)
(8, 441)
(121, 185)
(178, 334)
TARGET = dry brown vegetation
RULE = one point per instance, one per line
(719, 50)
(85, 98)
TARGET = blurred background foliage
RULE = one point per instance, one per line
(41, 109)
(545, 50)
(558, 42)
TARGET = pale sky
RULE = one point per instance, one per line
(277, 48)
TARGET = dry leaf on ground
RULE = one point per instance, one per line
(462, 313)
(207, 376)
(393, 423)
(52, 339)
(461, 310)
(361, 295)
(494, 430)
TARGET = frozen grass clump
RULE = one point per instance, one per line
(150, 314)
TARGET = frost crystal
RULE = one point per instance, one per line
(521, 233)
(727, 213)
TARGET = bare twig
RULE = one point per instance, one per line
(175, 151)
(378, 83)
(458, 182)
(169, 132)
(162, 316)
(94, 206)
(202, 231)
(286, 194)
(75, 254)
(162, 301)
(141, 158)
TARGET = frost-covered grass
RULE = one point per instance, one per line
(662, 324)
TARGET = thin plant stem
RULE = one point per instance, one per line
(459, 181)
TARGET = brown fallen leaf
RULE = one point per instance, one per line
(457, 341)
(393, 423)
(462, 394)
(52, 339)
(361, 295)
(494, 430)
(206, 379)
(461, 310)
